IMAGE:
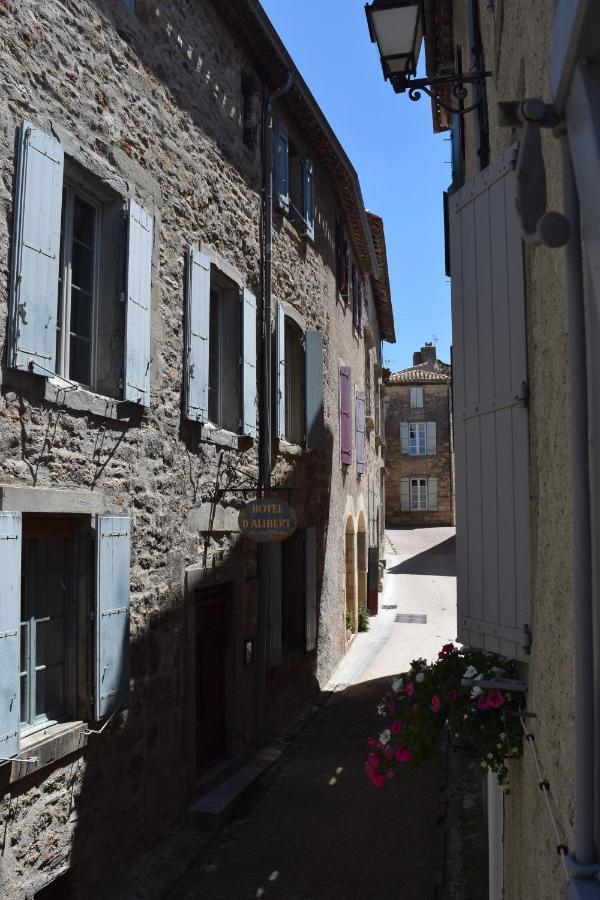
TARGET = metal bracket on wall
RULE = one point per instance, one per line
(539, 226)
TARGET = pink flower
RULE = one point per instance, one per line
(454, 695)
(388, 753)
(403, 754)
(396, 727)
(495, 699)
(409, 689)
(446, 650)
(373, 759)
(436, 704)
(483, 702)
(373, 743)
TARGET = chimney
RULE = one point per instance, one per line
(417, 359)
(428, 353)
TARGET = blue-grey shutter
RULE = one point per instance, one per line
(315, 419)
(432, 486)
(249, 381)
(310, 581)
(404, 437)
(113, 552)
(139, 302)
(282, 172)
(197, 334)
(280, 369)
(491, 419)
(308, 197)
(274, 606)
(431, 431)
(36, 252)
(405, 494)
(10, 624)
(361, 442)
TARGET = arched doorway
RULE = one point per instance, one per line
(362, 560)
(351, 595)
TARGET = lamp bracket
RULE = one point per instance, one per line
(430, 86)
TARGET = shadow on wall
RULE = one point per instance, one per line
(438, 560)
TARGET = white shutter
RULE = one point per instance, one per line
(431, 439)
(197, 329)
(405, 494)
(139, 296)
(280, 369)
(249, 380)
(36, 251)
(432, 497)
(113, 550)
(404, 437)
(491, 424)
(10, 626)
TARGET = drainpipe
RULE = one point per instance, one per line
(265, 433)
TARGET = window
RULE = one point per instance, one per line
(64, 319)
(416, 397)
(418, 493)
(417, 439)
(294, 383)
(224, 353)
(357, 299)
(294, 183)
(342, 261)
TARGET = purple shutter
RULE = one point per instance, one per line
(361, 444)
(346, 415)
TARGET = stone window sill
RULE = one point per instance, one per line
(79, 399)
(289, 449)
(223, 438)
(45, 747)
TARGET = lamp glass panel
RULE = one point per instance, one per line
(395, 30)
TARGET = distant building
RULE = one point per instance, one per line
(418, 429)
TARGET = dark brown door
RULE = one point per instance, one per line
(211, 678)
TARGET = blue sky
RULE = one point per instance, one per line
(403, 167)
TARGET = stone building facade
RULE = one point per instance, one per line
(418, 434)
(133, 200)
(526, 409)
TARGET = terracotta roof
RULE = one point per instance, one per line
(381, 287)
(424, 373)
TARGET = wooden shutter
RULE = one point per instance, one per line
(36, 252)
(346, 415)
(431, 438)
(404, 437)
(280, 371)
(282, 173)
(491, 423)
(310, 583)
(308, 198)
(432, 486)
(339, 254)
(361, 444)
(315, 419)
(197, 336)
(249, 381)
(274, 606)
(405, 494)
(10, 627)
(139, 301)
(113, 543)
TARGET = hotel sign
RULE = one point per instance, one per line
(267, 520)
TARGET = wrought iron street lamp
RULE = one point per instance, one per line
(398, 28)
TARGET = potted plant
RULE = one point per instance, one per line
(431, 697)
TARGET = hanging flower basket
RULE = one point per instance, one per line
(429, 698)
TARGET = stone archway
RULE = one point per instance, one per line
(362, 546)
(351, 592)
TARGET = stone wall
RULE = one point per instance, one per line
(436, 408)
(150, 104)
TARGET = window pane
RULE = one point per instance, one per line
(61, 281)
(50, 692)
(82, 272)
(81, 314)
(50, 641)
(84, 221)
(24, 699)
(80, 365)
(213, 359)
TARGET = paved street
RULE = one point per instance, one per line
(321, 830)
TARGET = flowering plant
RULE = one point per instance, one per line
(428, 698)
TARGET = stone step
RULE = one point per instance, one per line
(214, 807)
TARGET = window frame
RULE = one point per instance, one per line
(416, 392)
(420, 482)
(218, 287)
(293, 329)
(63, 350)
(419, 427)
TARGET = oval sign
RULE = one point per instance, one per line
(267, 520)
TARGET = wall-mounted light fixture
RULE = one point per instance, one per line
(398, 28)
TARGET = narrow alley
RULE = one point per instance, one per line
(321, 830)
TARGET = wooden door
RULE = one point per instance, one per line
(211, 655)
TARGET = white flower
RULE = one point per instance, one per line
(397, 684)
(465, 716)
(496, 671)
(502, 736)
(499, 746)
(475, 692)
(420, 677)
(384, 737)
(381, 710)
(457, 734)
(490, 755)
(471, 672)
